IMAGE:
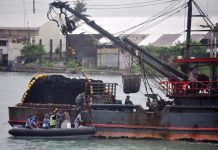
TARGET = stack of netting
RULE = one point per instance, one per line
(131, 83)
(55, 89)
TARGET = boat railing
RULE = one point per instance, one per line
(100, 92)
(190, 88)
(50, 105)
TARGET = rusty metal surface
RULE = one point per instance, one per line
(124, 117)
(134, 121)
(168, 124)
(156, 134)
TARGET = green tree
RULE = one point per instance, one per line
(166, 53)
(198, 51)
(33, 50)
(80, 7)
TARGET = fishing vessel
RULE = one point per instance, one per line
(192, 113)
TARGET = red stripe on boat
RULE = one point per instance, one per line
(152, 127)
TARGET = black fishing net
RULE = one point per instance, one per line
(55, 89)
(131, 83)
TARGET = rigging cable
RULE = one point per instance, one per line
(158, 15)
(153, 77)
(210, 24)
(56, 21)
(136, 6)
(149, 25)
(202, 7)
(163, 12)
(145, 78)
(127, 4)
(148, 73)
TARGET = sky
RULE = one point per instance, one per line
(19, 13)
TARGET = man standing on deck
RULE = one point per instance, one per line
(80, 102)
(128, 101)
(79, 119)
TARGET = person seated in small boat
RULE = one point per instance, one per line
(59, 118)
(46, 121)
(28, 122)
(79, 119)
(34, 121)
(53, 119)
(128, 101)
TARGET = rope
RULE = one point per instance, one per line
(91, 120)
(78, 67)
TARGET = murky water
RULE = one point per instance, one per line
(13, 85)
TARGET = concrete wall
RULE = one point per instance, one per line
(48, 31)
(15, 38)
(4, 48)
(108, 61)
(14, 51)
(1, 56)
(113, 58)
(108, 58)
(124, 60)
(88, 62)
(18, 32)
(85, 46)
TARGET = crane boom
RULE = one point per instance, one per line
(127, 45)
(168, 68)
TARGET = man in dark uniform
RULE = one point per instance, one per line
(80, 102)
(128, 101)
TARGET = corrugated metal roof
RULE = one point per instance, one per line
(197, 37)
(18, 32)
(165, 33)
(168, 30)
(19, 28)
(107, 50)
(150, 39)
(136, 38)
(166, 40)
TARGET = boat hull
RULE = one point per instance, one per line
(197, 123)
(173, 123)
(53, 132)
(170, 133)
